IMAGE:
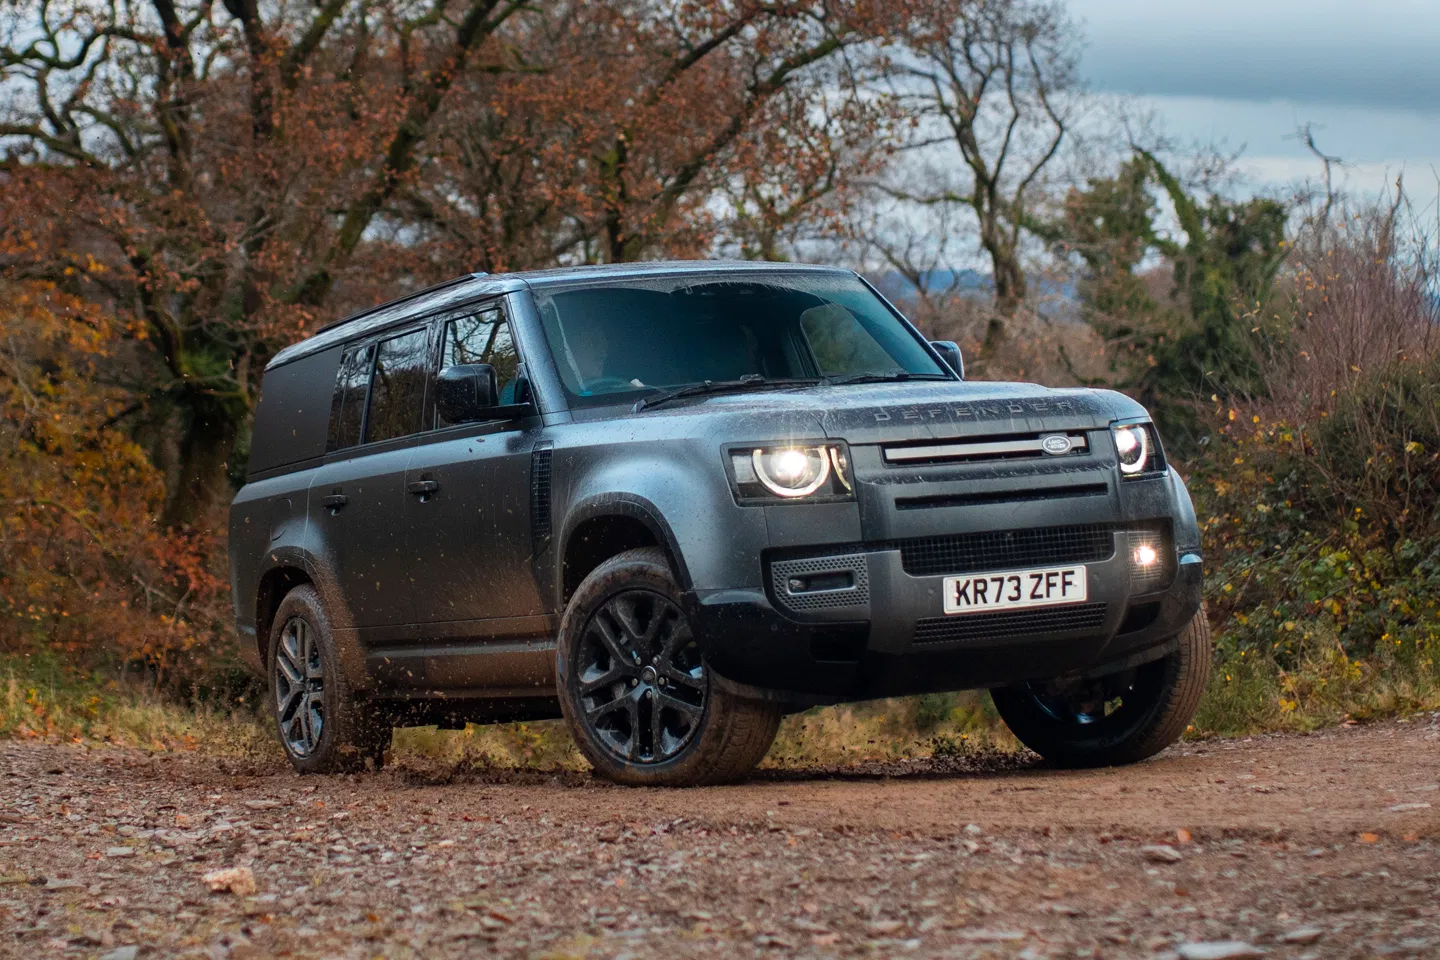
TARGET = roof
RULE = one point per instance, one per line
(651, 268)
(471, 286)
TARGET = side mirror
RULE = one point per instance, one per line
(949, 351)
(466, 392)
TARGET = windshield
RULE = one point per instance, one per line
(631, 337)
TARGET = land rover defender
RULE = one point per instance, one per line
(672, 502)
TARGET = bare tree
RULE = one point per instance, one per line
(1306, 135)
(992, 81)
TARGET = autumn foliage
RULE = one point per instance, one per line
(187, 187)
(85, 568)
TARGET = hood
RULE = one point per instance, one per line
(888, 412)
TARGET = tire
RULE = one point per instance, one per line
(308, 689)
(658, 723)
(1156, 702)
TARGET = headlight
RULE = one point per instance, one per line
(791, 472)
(1136, 447)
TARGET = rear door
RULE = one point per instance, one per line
(357, 499)
(468, 512)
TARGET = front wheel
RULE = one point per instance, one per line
(1116, 719)
(636, 693)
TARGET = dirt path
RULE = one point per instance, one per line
(1319, 846)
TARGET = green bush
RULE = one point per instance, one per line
(1323, 557)
(1378, 452)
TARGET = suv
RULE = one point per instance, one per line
(672, 502)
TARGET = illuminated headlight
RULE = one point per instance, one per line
(1133, 445)
(792, 472)
(1145, 555)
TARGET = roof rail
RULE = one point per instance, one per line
(399, 300)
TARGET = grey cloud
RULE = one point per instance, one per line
(1393, 79)
(1376, 53)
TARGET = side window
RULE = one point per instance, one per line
(397, 392)
(483, 338)
(347, 410)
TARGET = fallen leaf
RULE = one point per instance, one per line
(237, 880)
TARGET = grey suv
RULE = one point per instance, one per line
(672, 502)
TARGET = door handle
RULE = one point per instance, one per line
(423, 488)
(334, 502)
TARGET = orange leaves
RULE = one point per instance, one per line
(85, 567)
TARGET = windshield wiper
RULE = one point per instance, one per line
(900, 377)
(748, 382)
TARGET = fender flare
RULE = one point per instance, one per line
(618, 504)
(352, 655)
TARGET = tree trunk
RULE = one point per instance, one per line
(209, 429)
(1009, 281)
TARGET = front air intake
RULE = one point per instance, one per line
(1007, 550)
(1019, 624)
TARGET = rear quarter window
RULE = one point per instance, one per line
(293, 414)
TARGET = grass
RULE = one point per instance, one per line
(896, 729)
(42, 698)
(1250, 695)
(544, 745)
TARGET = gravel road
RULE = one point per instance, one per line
(1325, 845)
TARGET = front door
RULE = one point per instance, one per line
(356, 502)
(468, 506)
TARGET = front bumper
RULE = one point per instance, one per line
(875, 626)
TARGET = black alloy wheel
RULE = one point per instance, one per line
(642, 684)
(641, 702)
(1097, 702)
(1118, 718)
(299, 688)
(322, 725)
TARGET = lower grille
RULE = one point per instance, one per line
(1007, 549)
(1019, 623)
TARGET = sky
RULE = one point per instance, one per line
(1365, 73)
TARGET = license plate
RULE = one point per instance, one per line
(988, 592)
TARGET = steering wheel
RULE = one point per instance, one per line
(609, 385)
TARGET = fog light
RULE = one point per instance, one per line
(1145, 555)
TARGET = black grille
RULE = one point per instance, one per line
(1006, 549)
(540, 496)
(1018, 623)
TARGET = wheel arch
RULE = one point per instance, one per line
(605, 526)
(275, 584)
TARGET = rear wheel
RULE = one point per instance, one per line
(635, 691)
(322, 727)
(1115, 719)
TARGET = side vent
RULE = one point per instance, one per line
(540, 496)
